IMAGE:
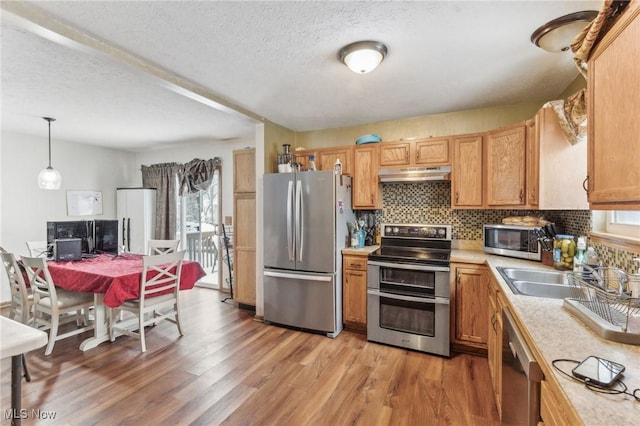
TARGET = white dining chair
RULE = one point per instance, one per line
(50, 302)
(159, 291)
(163, 246)
(38, 248)
(21, 297)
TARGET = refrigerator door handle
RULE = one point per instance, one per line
(290, 221)
(299, 216)
(124, 230)
(129, 234)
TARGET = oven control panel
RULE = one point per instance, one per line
(440, 232)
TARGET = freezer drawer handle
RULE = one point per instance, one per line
(298, 276)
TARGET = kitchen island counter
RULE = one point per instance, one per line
(557, 334)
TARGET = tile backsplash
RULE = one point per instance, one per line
(430, 202)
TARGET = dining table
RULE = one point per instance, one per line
(113, 279)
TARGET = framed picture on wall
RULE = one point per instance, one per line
(84, 203)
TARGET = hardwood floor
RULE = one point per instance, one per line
(229, 369)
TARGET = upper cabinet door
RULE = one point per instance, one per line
(327, 159)
(505, 166)
(432, 152)
(613, 124)
(395, 154)
(466, 180)
(366, 187)
(244, 170)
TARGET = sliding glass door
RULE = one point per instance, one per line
(200, 216)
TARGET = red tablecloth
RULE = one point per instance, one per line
(117, 277)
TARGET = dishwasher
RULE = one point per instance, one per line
(521, 377)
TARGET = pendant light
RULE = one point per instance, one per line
(49, 178)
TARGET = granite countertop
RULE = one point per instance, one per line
(559, 335)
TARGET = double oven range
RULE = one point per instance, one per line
(408, 288)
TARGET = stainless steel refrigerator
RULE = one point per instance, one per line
(305, 229)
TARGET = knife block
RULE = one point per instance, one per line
(547, 258)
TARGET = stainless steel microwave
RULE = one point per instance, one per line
(512, 240)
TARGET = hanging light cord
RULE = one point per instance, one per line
(49, 119)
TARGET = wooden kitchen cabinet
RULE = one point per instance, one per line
(556, 170)
(244, 239)
(505, 166)
(494, 338)
(466, 173)
(244, 170)
(554, 408)
(418, 152)
(533, 161)
(469, 307)
(613, 111)
(393, 154)
(432, 152)
(302, 158)
(367, 190)
(354, 292)
(326, 158)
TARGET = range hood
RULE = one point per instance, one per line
(414, 174)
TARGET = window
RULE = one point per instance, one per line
(625, 223)
(616, 228)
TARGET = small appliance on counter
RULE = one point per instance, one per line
(67, 249)
(518, 241)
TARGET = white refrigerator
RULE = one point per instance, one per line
(136, 210)
(305, 229)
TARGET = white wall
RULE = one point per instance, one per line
(25, 208)
(187, 152)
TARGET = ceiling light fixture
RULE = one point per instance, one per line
(363, 56)
(557, 35)
(49, 178)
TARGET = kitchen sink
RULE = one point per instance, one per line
(532, 282)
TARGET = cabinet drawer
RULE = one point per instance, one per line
(355, 262)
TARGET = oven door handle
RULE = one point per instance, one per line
(428, 300)
(408, 266)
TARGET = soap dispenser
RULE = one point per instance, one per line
(580, 259)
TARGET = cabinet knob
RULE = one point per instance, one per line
(521, 195)
(457, 197)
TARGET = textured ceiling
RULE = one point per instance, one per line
(276, 60)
